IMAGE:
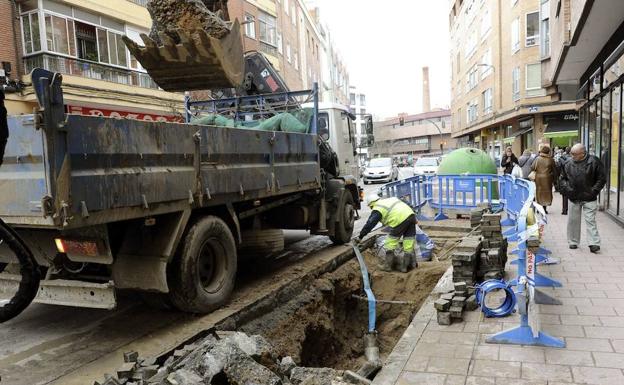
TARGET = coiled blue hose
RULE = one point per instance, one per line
(506, 308)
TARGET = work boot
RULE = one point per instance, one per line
(385, 258)
(412, 260)
(401, 261)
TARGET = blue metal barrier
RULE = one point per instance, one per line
(516, 195)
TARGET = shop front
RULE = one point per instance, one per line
(601, 125)
(561, 129)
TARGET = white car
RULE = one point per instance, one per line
(426, 166)
(380, 170)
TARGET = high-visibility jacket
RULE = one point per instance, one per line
(393, 211)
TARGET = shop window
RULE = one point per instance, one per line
(591, 128)
(614, 147)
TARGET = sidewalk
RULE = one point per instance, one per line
(591, 320)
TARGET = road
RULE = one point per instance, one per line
(57, 344)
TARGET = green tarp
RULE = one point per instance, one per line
(298, 121)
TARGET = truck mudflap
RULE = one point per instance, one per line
(67, 292)
(198, 62)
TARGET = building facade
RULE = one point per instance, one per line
(587, 62)
(498, 98)
(409, 136)
(82, 40)
(357, 105)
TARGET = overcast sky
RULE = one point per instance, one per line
(386, 43)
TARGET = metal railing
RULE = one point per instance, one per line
(77, 67)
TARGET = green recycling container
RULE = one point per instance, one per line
(471, 161)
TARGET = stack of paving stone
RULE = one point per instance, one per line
(465, 260)
(476, 215)
(493, 255)
(450, 306)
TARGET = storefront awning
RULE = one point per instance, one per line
(561, 129)
(510, 139)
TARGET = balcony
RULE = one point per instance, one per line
(86, 69)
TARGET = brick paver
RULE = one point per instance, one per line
(591, 321)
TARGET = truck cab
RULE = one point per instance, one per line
(336, 125)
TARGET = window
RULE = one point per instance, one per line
(545, 29)
(472, 111)
(473, 78)
(459, 115)
(471, 44)
(352, 98)
(288, 54)
(286, 6)
(280, 43)
(267, 28)
(532, 29)
(57, 36)
(486, 23)
(250, 26)
(487, 101)
(30, 32)
(362, 100)
(296, 59)
(515, 83)
(515, 35)
(534, 80)
(86, 39)
(486, 59)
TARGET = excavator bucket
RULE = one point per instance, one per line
(197, 62)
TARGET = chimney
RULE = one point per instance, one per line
(426, 98)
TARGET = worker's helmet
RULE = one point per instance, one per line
(371, 199)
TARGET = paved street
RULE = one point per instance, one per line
(591, 320)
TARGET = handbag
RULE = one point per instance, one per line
(532, 175)
(516, 171)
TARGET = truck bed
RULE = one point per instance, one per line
(97, 170)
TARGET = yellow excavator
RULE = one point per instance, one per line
(192, 46)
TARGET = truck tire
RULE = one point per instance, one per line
(260, 243)
(28, 269)
(345, 220)
(201, 276)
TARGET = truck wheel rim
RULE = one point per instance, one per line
(349, 215)
(211, 266)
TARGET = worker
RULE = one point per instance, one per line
(401, 219)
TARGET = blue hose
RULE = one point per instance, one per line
(506, 308)
(372, 317)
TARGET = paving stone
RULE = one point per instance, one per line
(417, 378)
(618, 345)
(448, 365)
(487, 352)
(444, 317)
(604, 332)
(442, 304)
(569, 319)
(569, 357)
(417, 363)
(609, 360)
(588, 344)
(535, 371)
(516, 381)
(521, 354)
(587, 375)
(496, 369)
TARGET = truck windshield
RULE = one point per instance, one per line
(427, 162)
(380, 162)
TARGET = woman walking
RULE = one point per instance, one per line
(508, 161)
(544, 167)
(525, 162)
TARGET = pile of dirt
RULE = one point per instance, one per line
(169, 16)
(325, 324)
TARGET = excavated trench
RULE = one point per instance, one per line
(324, 324)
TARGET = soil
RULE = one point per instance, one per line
(324, 325)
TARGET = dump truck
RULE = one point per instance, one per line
(163, 208)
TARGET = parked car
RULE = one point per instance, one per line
(380, 170)
(426, 166)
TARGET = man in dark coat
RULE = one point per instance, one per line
(582, 179)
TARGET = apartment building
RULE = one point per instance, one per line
(82, 40)
(497, 95)
(587, 63)
(357, 105)
(408, 136)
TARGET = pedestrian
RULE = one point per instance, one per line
(401, 219)
(560, 163)
(525, 162)
(4, 126)
(544, 167)
(582, 179)
(508, 161)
